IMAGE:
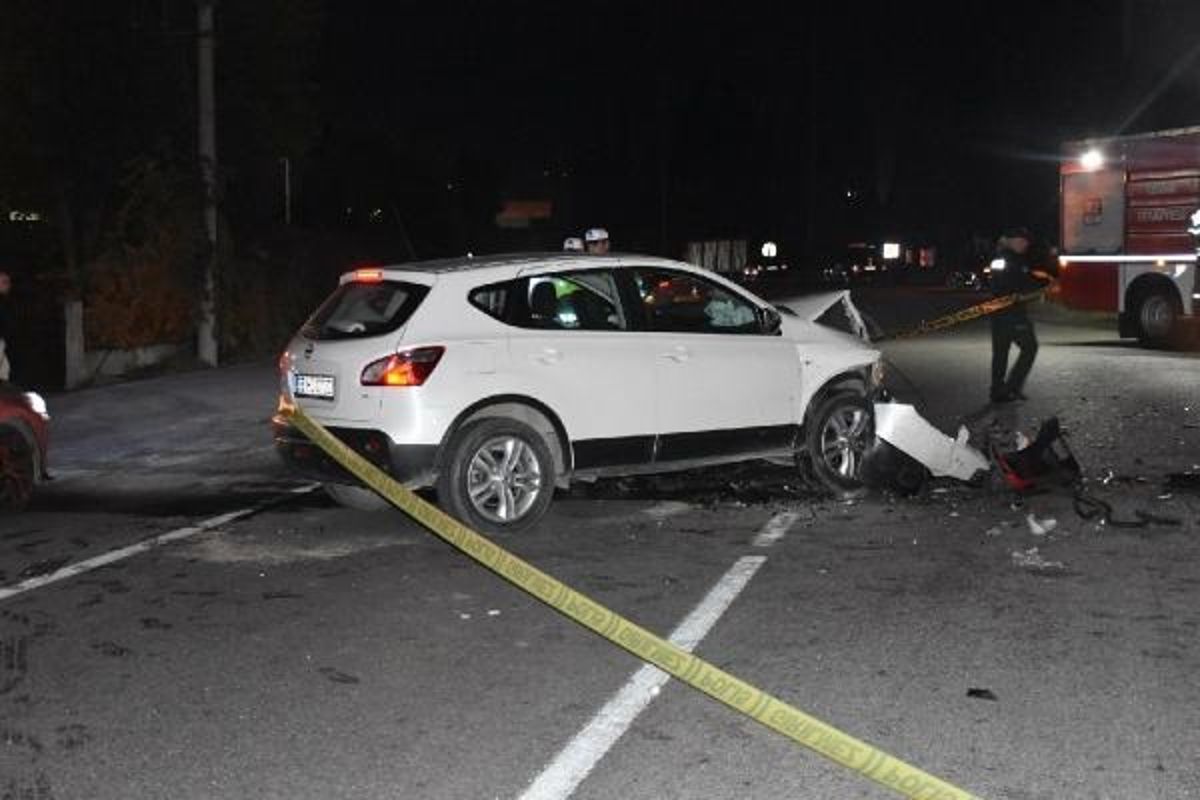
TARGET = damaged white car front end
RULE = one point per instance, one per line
(841, 376)
(832, 337)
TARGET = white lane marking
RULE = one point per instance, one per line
(667, 508)
(573, 763)
(112, 556)
(775, 529)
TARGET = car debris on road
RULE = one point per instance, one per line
(901, 426)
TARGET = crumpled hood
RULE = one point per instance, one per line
(812, 306)
(824, 351)
(803, 327)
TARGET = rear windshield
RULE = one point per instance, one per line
(359, 310)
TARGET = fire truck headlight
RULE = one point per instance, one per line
(1092, 160)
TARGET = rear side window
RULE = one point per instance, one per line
(358, 310)
(493, 300)
(586, 301)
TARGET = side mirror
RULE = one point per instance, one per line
(772, 322)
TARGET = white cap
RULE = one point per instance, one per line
(572, 243)
(595, 235)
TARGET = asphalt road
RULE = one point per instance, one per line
(306, 651)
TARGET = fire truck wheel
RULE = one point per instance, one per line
(1157, 317)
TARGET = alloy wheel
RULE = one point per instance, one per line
(504, 479)
(844, 440)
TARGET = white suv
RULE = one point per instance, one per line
(497, 379)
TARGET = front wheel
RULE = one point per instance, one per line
(1157, 317)
(17, 471)
(497, 476)
(837, 436)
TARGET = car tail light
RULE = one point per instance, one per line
(407, 368)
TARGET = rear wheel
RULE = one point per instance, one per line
(18, 471)
(359, 498)
(1158, 312)
(838, 435)
(497, 476)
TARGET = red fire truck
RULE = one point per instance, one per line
(1126, 206)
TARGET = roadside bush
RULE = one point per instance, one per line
(141, 290)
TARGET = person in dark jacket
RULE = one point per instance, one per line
(1011, 273)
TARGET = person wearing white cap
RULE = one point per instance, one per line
(597, 241)
(573, 244)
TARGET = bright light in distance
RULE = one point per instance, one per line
(1092, 160)
(891, 250)
(769, 250)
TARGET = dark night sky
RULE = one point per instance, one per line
(810, 124)
(941, 118)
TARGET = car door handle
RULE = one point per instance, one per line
(678, 354)
(547, 355)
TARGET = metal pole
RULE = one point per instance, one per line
(287, 190)
(206, 338)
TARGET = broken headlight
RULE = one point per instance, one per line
(37, 405)
(877, 374)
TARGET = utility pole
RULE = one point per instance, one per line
(206, 333)
(287, 190)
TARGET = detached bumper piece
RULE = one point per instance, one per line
(903, 428)
(413, 465)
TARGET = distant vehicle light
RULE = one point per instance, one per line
(37, 405)
(891, 250)
(998, 265)
(1092, 160)
(368, 275)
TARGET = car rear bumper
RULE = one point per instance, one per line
(414, 465)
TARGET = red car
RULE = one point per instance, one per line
(24, 435)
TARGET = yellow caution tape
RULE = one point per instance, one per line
(966, 315)
(856, 755)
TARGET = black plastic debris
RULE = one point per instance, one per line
(1092, 508)
(885, 466)
(751, 483)
(982, 694)
(1048, 458)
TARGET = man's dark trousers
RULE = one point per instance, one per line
(1011, 328)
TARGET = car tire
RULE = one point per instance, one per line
(18, 471)
(358, 498)
(837, 437)
(504, 495)
(1158, 312)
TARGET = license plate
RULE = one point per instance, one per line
(314, 386)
